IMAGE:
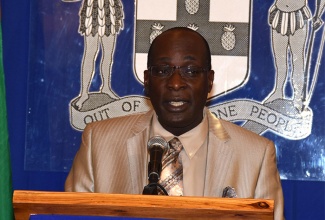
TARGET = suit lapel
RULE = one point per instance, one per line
(218, 157)
(137, 153)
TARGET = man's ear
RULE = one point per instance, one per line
(210, 80)
(146, 75)
(146, 82)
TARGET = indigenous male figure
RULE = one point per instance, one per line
(216, 154)
(100, 22)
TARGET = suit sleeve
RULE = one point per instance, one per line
(80, 178)
(269, 183)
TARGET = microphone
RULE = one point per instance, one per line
(157, 146)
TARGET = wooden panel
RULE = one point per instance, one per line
(37, 202)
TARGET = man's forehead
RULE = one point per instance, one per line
(177, 35)
(185, 57)
(188, 47)
(182, 45)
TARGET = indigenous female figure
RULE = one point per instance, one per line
(289, 23)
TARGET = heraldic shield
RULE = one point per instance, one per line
(226, 28)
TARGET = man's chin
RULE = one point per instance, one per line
(177, 123)
(174, 119)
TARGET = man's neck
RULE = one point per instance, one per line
(178, 131)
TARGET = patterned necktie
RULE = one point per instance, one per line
(171, 177)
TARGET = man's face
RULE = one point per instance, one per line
(179, 101)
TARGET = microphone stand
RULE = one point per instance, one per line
(154, 171)
(157, 146)
(151, 188)
(153, 177)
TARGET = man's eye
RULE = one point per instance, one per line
(163, 71)
(192, 72)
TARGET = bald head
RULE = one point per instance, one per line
(184, 34)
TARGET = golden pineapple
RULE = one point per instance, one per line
(156, 30)
(192, 6)
(228, 38)
(193, 26)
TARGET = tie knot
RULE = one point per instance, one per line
(176, 144)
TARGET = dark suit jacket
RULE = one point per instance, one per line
(113, 159)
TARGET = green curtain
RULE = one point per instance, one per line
(6, 211)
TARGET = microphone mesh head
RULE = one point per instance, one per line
(158, 140)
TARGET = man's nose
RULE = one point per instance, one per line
(176, 81)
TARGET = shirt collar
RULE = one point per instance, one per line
(191, 140)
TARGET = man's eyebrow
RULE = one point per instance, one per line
(189, 58)
(164, 59)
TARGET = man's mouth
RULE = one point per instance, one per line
(176, 104)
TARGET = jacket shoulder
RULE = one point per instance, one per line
(123, 122)
(236, 131)
(240, 136)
